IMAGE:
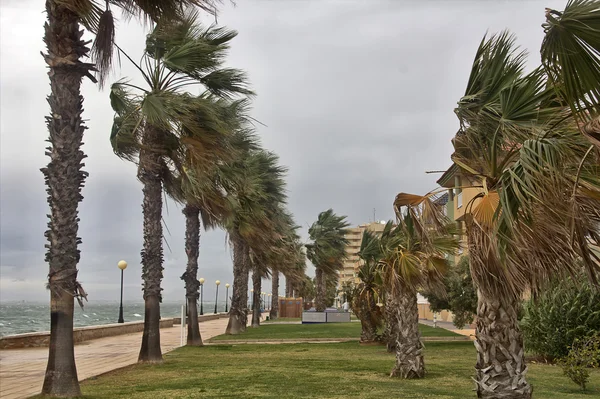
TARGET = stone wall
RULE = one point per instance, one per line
(80, 334)
(206, 317)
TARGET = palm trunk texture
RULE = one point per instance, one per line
(366, 313)
(288, 287)
(320, 288)
(190, 277)
(256, 297)
(500, 368)
(149, 173)
(273, 314)
(64, 179)
(390, 334)
(409, 349)
(238, 312)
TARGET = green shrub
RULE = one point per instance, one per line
(584, 353)
(461, 296)
(569, 309)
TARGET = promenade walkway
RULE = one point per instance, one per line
(22, 370)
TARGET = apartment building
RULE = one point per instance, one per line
(459, 194)
(352, 262)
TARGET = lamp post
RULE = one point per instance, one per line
(270, 301)
(252, 298)
(226, 295)
(201, 281)
(217, 295)
(121, 265)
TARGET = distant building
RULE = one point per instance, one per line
(461, 192)
(352, 262)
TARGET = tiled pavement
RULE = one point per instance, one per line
(22, 370)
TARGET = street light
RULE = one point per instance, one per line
(201, 281)
(121, 265)
(217, 295)
(270, 301)
(226, 295)
(252, 298)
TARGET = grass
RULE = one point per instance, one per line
(326, 330)
(344, 370)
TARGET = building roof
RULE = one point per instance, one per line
(447, 178)
(441, 199)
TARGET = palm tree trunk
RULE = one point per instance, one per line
(390, 334)
(238, 312)
(409, 349)
(64, 179)
(365, 312)
(190, 277)
(320, 288)
(288, 287)
(500, 368)
(149, 173)
(256, 298)
(274, 295)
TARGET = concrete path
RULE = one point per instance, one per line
(22, 370)
(469, 332)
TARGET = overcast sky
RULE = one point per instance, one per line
(357, 98)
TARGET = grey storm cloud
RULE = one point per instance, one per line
(356, 97)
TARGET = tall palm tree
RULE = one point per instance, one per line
(200, 188)
(364, 302)
(256, 194)
(413, 256)
(538, 210)
(64, 176)
(290, 260)
(327, 251)
(157, 121)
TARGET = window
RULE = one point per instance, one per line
(459, 202)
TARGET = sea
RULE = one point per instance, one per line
(23, 317)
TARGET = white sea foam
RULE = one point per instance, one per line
(137, 315)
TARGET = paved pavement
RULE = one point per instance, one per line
(22, 370)
(469, 332)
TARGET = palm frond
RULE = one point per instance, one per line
(571, 55)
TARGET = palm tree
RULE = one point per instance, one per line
(538, 209)
(200, 188)
(254, 198)
(290, 261)
(155, 123)
(64, 176)
(327, 251)
(364, 302)
(413, 257)
(521, 144)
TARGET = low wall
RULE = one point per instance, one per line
(325, 317)
(80, 334)
(205, 317)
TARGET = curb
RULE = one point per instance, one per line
(319, 340)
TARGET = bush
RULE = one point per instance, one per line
(461, 298)
(568, 310)
(584, 353)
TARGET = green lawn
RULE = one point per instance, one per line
(344, 370)
(326, 330)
